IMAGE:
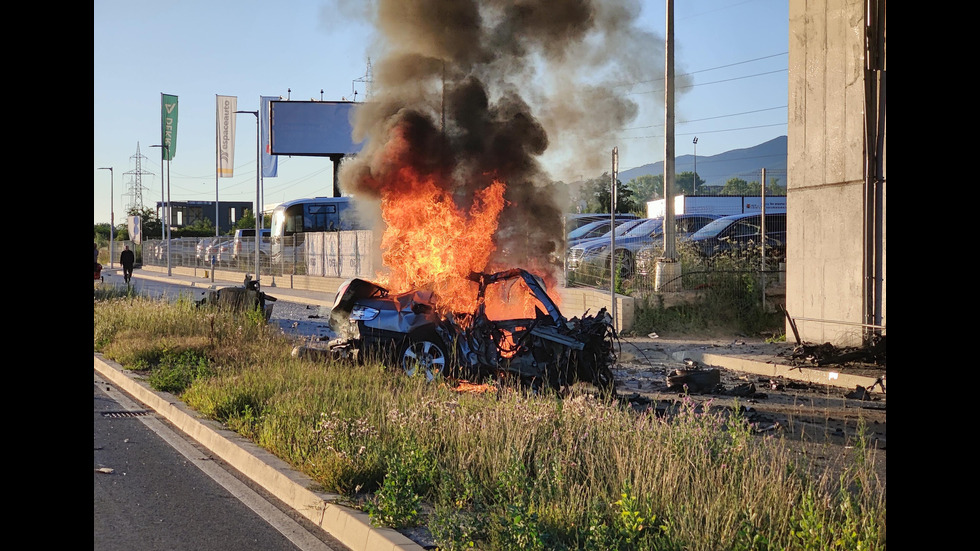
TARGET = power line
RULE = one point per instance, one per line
(715, 81)
(699, 132)
(702, 70)
(710, 118)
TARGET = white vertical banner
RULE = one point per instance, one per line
(225, 116)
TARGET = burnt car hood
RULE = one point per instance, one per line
(398, 313)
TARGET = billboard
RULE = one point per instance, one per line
(312, 128)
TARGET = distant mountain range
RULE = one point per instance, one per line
(715, 170)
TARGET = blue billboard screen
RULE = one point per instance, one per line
(312, 128)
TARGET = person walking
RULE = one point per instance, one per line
(127, 259)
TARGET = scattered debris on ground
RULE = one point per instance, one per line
(246, 297)
(694, 380)
(827, 354)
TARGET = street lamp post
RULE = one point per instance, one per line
(258, 192)
(695, 188)
(165, 231)
(112, 216)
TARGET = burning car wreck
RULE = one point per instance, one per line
(407, 330)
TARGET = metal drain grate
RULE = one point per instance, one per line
(122, 414)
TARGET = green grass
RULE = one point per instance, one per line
(503, 469)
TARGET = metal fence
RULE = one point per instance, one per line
(343, 254)
(744, 279)
(735, 258)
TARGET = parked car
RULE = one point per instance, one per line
(214, 249)
(575, 252)
(588, 231)
(577, 220)
(738, 234)
(595, 229)
(201, 250)
(222, 252)
(406, 330)
(646, 259)
(181, 251)
(595, 254)
(243, 244)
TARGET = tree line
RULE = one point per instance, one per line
(152, 226)
(632, 197)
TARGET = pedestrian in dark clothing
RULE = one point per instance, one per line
(96, 266)
(127, 258)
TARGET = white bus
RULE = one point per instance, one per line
(319, 214)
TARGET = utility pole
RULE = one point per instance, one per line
(612, 234)
(668, 268)
(112, 216)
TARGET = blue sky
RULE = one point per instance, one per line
(734, 52)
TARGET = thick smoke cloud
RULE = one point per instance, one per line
(468, 91)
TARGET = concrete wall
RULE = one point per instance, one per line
(826, 149)
(576, 301)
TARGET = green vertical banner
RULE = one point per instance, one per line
(168, 125)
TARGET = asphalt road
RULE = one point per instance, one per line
(155, 488)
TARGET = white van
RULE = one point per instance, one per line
(243, 244)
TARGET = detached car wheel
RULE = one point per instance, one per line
(425, 355)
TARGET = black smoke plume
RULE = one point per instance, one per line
(476, 90)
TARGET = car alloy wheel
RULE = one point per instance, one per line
(425, 355)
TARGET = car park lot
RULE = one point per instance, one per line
(736, 234)
(592, 256)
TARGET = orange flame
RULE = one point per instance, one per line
(431, 243)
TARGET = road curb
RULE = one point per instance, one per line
(349, 526)
(816, 376)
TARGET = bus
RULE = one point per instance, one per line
(319, 214)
